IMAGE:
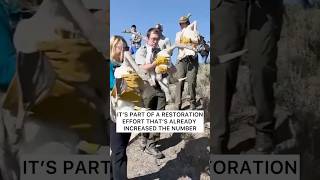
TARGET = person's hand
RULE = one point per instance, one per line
(162, 69)
(173, 69)
(76, 61)
(161, 60)
(72, 59)
(132, 80)
(185, 40)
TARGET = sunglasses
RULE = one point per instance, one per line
(184, 23)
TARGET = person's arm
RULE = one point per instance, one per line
(149, 67)
(180, 45)
(172, 68)
(141, 60)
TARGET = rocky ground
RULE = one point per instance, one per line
(186, 155)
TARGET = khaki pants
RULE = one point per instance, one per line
(259, 24)
(187, 67)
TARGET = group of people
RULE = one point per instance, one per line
(137, 38)
(151, 96)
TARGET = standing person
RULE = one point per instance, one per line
(187, 65)
(153, 97)
(118, 141)
(204, 50)
(257, 22)
(164, 41)
(136, 39)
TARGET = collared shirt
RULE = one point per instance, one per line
(143, 56)
(164, 42)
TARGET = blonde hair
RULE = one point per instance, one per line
(114, 41)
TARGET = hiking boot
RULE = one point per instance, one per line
(192, 107)
(264, 143)
(152, 150)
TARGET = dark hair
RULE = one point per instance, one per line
(134, 26)
(153, 30)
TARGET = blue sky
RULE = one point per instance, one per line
(146, 13)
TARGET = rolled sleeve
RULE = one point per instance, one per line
(140, 56)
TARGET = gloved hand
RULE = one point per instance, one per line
(188, 41)
(132, 97)
(161, 69)
(74, 60)
(185, 40)
(161, 60)
(132, 80)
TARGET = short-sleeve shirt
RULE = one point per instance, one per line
(141, 55)
(141, 58)
(164, 43)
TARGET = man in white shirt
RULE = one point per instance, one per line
(187, 65)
